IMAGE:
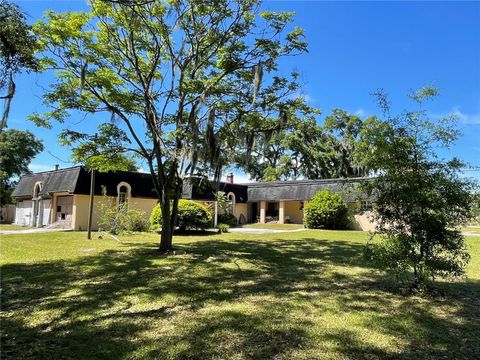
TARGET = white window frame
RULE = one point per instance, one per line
(128, 194)
(38, 185)
(365, 205)
(231, 198)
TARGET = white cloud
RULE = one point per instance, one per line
(360, 112)
(241, 178)
(308, 98)
(466, 118)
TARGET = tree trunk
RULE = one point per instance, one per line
(167, 228)
(166, 238)
(169, 217)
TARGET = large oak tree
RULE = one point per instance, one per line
(180, 83)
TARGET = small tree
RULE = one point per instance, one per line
(118, 218)
(224, 205)
(326, 210)
(420, 198)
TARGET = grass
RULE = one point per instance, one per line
(473, 230)
(302, 295)
(12, 227)
(274, 226)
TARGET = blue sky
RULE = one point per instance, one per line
(354, 49)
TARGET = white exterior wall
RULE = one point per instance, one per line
(23, 213)
(47, 208)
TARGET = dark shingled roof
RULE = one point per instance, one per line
(140, 183)
(76, 180)
(202, 189)
(63, 180)
(303, 189)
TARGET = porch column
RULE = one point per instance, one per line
(263, 208)
(40, 213)
(281, 212)
(53, 212)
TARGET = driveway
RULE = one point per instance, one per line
(32, 231)
(260, 231)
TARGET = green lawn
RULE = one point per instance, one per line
(12, 227)
(274, 226)
(301, 295)
(474, 230)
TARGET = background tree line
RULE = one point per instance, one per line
(301, 148)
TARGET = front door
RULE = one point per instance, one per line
(272, 209)
(64, 210)
(252, 218)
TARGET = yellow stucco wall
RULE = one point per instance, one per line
(292, 210)
(241, 209)
(80, 209)
(146, 205)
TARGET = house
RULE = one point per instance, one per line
(60, 198)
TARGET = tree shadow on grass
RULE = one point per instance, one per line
(222, 299)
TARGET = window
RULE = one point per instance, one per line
(124, 192)
(365, 205)
(37, 188)
(231, 202)
(122, 195)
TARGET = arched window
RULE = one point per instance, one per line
(124, 193)
(36, 189)
(231, 200)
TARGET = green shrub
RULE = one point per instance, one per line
(191, 216)
(156, 218)
(223, 228)
(326, 210)
(135, 220)
(118, 219)
(228, 219)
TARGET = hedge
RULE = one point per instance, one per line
(191, 216)
(326, 210)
